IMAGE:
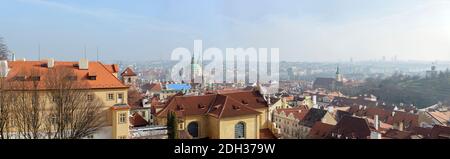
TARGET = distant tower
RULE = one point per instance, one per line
(192, 70)
(338, 75)
(13, 56)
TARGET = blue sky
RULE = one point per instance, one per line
(304, 30)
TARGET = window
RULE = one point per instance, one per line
(129, 80)
(120, 98)
(90, 137)
(122, 118)
(90, 97)
(193, 129)
(110, 96)
(143, 114)
(239, 130)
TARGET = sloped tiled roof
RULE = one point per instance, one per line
(216, 105)
(128, 72)
(352, 127)
(104, 78)
(320, 130)
(136, 120)
(299, 112)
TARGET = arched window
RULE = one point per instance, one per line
(193, 129)
(239, 130)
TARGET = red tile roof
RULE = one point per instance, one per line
(225, 106)
(216, 105)
(298, 112)
(440, 132)
(397, 134)
(137, 120)
(266, 134)
(320, 130)
(352, 127)
(128, 72)
(104, 78)
(153, 87)
(114, 68)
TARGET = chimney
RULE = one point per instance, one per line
(376, 122)
(83, 64)
(51, 63)
(4, 68)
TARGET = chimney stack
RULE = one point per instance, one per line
(83, 64)
(51, 63)
(376, 122)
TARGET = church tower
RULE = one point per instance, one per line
(338, 75)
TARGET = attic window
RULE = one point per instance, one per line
(216, 107)
(236, 107)
(244, 102)
(92, 76)
(75, 65)
(71, 78)
(36, 78)
(20, 78)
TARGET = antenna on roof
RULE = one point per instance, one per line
(85, 51)
(97, 53)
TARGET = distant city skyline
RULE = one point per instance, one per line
(327, 30)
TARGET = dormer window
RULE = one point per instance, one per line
(20, 78)
(36, 78)
(92, 76)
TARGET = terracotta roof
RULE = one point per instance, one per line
(442, 117)
(153, 87)
(440, 132)
(225, 106)
(128, 72)
(397, 134)
(266, 134)
(136, 120)
(409, 120)
(27, 69)
(114, 68)
(352, 127)
(298, 112)
(252, 98)
(217, 105)
(320, 130)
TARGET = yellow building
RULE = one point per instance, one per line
(93, 77)
(232, 115)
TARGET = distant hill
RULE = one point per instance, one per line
(421, 92)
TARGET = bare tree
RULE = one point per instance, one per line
(5, 111)
(3, 50)
(28, 111)
(73, 111)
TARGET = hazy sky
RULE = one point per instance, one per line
(304, 30)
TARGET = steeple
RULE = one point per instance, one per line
(338, 75)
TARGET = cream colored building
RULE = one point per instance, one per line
(231, 115)
(94, 77)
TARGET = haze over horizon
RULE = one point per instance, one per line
(324, 30)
